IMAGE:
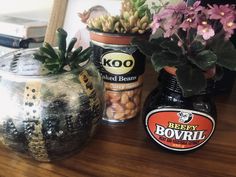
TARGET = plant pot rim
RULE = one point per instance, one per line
(114, 38)
(208, 74)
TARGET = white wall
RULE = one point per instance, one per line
(72, 22)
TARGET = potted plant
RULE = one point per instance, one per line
(190, 49)
(121, 64)
(53, 100)
(226, 83)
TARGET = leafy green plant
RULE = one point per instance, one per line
(194, 40)
(62, 58)
(135, 17)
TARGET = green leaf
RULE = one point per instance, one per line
(142, 10)
(51, 61)
(50, 48)
(54, 68)
(75, 53)
(226, 53)
(48, 52)
(192, 34)
(62, 57)
(85, 54)
(148, 47)
(40, 57)
(205, 59)
(197, 46)
(71, 44)
(191, 80)
(139, 3)
(219, 73)
(165, 58)
(171, 46)
(61, 37)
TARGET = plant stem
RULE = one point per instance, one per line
(188, 42)
(183, 49)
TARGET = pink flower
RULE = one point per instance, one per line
(157, 19)
(164, 13)
(229, 25)
(192, 16)
(155, 26)
(169, 11)
(219, 12)
(171, 26)
(180, 43)
(196, 6)
(188, 23)
(169, 33)
(205, 30)
(177, 8)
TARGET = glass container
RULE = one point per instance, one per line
(47, 116)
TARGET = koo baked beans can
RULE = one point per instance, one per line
(121, 66)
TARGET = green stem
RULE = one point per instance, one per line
(188, 41)
(183, 49)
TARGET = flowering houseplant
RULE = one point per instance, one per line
(195, 40)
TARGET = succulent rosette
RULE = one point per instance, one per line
(135, 17)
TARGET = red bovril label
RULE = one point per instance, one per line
(179, 129)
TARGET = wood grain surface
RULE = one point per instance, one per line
(125, 150)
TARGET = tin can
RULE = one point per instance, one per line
(121, 66)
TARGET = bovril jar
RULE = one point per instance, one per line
(178, 123)
(121, 66)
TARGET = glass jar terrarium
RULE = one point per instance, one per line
(47, 116)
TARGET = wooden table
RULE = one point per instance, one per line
(125, 150)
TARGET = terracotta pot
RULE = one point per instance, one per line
(114, 38)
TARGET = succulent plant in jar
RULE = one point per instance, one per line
(53, 100)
